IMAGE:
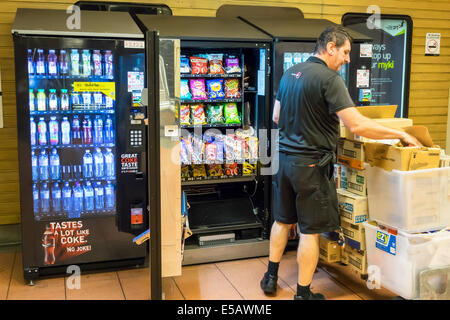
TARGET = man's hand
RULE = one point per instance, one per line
(410, 141)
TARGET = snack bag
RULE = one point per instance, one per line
(184, 90)
(183, 153)
(231, 169)
(215, 64)
(185, 115)
(215, 114)
(219, 150)
(215, 89)
(198, 171)
(198, 89)
(232, 64)
(253, 149)
(198, 146)
(248, 169)
(184, 65)
(199, 65)
(229, 148)
(232, 89)
(198, 115)
(211, 152)
(185, 172)
(215, 170)
(231, 114)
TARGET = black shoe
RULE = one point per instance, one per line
(311, 296)
(269, 284)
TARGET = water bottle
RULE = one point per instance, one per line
(30, 62)
(88, 164)
(56, 198)
(109, 196)
(34, 167)
(87, 130)
(88, 197)
(99, 196)
(109, 130)
(110, 171)
(32, 131)
(53, 128)
(42, 132)
(52, 63)
(65, 106)
(43, 166)
(98, 130)
(86, 60)
(75, 62)
(76, 130)
(65, 131)
(77, 201)
(109, 67)
(45, 198)
(35, 199)
(63, 63)
(40, 63)
(67, 198)
(55, 167)
(99, 167)
(31, 100)
(52, 100)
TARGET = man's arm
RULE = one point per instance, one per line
(276, 111)
(366, 127)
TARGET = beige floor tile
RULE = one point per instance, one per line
(170, 289)
(6, 269)
(97, 286)
(135, 283)
(205, 282)
(44, 289)
(245, 276)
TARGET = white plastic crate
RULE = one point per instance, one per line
(413, 201)
(413, 253)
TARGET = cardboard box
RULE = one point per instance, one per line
(351, 153)
(355, 235)
(354, 180)
(329, 250)
(405, 158)
(393, 123)
(353, 208)
(357, 260)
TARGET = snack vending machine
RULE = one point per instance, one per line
(220, 83)
(81, 140)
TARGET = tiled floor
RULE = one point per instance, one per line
(231, 280)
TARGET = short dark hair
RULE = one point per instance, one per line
(336, 34)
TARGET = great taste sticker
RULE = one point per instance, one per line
(129, 163)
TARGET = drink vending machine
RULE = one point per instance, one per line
(81, 140)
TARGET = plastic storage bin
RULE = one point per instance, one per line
(413, 201)
(413, 253)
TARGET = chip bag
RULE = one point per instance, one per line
(231, 169)
(198, 146)
(215, 114)
(211, 152)
(232, 64)
(198, 171)
(184, 90)
(185, 115)
(248, 169)
(198, 115)
(199, 65)
(198, 89)
(232, 89)
(215, 89)
(215, 170)
(231, 114)
(215, 64)
(185, 172)
(184, 65)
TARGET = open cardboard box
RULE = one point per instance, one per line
(403, 158)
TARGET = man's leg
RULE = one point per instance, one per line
(278, 240)
(307, 259)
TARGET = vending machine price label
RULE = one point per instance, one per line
(108, 88)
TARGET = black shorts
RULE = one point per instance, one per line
(305, 193)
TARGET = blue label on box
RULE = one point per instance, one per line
(386, 242)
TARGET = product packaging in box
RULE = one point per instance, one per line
(401, 257)
(329, 250)
(352, 207)
(397, 157)
(350, 153)
(413, 201)
(356, 259)
(354, 235)
(354, 180)
(337, 174)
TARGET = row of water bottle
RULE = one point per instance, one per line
(74, 132)
(64, 199)
(39, 101)
(293, 58)
(99, 165)
(65, 64)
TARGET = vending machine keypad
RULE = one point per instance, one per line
(136, 138)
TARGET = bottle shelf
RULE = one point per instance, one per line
(74, 146)
(52, 216)
(69, 77)
(226, 75)
(69, 112)
(62, 180)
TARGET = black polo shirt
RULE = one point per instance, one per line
(310, 94)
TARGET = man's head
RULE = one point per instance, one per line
(333, 46)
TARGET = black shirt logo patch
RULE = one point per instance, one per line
(297, 75)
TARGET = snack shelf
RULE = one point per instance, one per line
(223, 75)
(218, 180)
(212, 101)
(207, 126)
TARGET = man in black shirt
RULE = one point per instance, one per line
(311, 99)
